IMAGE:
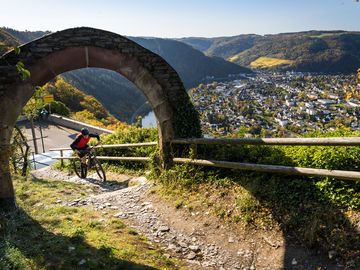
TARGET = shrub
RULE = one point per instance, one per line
(341, 193)
(126, 135)
(58, 107)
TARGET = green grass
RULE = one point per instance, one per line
(327, 35)
(44, 234)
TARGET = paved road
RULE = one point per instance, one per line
(55, 137)
(45, 159)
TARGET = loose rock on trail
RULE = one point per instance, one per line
(199, 239)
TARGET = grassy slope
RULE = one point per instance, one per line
(44, 234)
(270, 62)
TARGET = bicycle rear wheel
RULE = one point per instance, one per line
(99, 169)
(79, 168)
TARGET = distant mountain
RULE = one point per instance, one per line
(192, 65)
(199, 43)
(123, 99)
(119, 95)
(25, 36)
(224, 47)
(316, 51)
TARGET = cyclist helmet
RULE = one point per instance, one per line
(85, 131)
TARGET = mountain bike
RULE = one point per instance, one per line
(89, 161)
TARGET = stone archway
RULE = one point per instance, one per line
(87, 47)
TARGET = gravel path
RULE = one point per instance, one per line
(199, 239)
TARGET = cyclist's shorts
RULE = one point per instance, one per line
(83, 151)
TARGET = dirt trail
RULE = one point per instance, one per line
(199, 239)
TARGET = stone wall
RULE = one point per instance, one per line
(76, 125)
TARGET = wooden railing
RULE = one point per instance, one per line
(127, 145)
(341, 141)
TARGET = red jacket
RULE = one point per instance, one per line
(81, 142)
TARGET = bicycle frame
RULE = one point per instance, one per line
(90, 162)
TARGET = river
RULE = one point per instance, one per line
(149, 120)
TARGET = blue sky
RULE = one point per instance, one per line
(183, 18)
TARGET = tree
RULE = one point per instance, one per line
(19, 151)
(35, 104)
(138, 122)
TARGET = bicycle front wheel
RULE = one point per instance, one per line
(79, 168)
(99, 169)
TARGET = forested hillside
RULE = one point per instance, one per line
(121, 97)
(81, 106)
(192, 65)
(224, 47)
(314, 51)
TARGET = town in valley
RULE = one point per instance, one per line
(278, 104)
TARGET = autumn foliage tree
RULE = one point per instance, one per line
(82, 107)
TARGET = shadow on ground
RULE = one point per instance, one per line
(109, 185)
(48, 250)
(316, 231)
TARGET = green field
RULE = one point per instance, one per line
(327, 35)
(270, 62)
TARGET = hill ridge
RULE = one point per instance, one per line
(329, 51)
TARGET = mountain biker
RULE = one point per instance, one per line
(80, 144)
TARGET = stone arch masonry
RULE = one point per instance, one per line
(87, 47)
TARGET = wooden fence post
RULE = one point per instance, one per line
(62, 161)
